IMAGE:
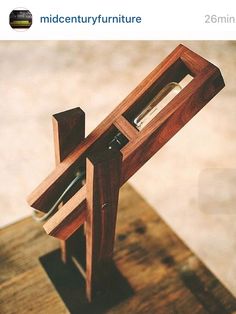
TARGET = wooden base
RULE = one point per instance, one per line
(163, 274)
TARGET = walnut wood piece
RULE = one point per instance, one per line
(103, 183)
(165, 275)
(69, 132)
(143, 145)
(126, 128)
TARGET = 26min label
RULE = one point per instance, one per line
(216, 19)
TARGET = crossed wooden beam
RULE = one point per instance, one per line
(88, 216)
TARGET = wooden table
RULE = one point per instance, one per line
(154, 271)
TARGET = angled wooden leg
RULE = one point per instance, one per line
(103, 183)
(69, 131)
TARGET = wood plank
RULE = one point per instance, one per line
(103, 185)
(69, 218)
(166, 277)
(69, 132)
(24, 286)
(126, 128)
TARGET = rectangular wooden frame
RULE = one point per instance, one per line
(206, 84)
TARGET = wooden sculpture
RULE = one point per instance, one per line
(86, 221)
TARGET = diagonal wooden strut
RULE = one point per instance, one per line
(207, 82)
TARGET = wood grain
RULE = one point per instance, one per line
(69, 218)
(24, 286)
(103, 184)
(49, 190)
(126, 128)
(165, 275)
(69, 132)
(144, 144)
(170, 120)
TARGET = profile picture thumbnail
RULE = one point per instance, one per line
(20, 19)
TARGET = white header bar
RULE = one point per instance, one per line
(128, 20)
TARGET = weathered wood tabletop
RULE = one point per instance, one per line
(160, 274)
